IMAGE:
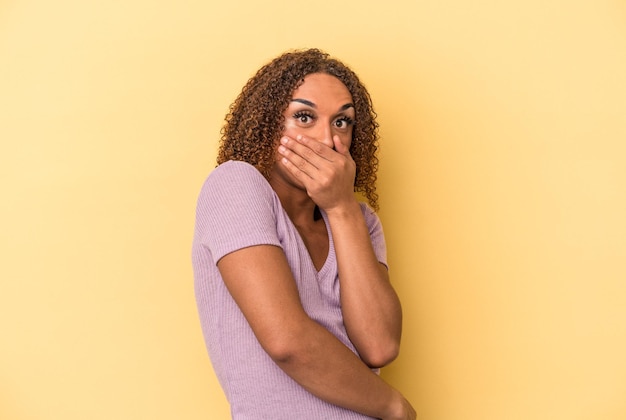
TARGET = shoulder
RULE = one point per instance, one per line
(236, 186)
(236, 207)
(235, 172)
(371, 218)
(375, 228)
(235, 167)
(235, 178)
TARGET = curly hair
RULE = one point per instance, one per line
(255, 120)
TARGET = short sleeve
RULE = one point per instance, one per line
(236, 209)
(377, 235)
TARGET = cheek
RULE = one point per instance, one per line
(346, 138)
(291, 128)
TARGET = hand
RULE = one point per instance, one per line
(327, 174)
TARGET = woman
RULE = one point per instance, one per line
(290, 274)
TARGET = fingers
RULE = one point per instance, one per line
(308, 158)
(326, 174)
(305, 154)
(298, 162)
(308, 149)
(311, 150)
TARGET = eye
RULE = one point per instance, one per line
(344, 122)
(304, 117)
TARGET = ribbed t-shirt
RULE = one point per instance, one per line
(238, 208)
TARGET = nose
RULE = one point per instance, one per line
(325, 134)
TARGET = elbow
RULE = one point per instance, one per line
(381, 355)
(286, 349)
(282, 352)
(295, 344)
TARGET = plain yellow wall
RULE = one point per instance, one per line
(502, 183)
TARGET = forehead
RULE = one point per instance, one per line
(323, 86)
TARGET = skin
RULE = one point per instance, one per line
(314, 168)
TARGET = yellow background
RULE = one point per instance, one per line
(503, 193)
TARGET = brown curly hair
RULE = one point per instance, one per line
(255, 121)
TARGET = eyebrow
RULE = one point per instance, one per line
(305, 102)
(312, 105)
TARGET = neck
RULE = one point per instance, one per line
(296, 202)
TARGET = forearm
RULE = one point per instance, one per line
(259, 279)
(371, 308)
(324, 366)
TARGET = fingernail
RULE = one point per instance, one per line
(284, 140)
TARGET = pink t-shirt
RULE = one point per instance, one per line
(238, 208)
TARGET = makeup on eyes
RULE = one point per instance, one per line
(302, 114)
(306, 117)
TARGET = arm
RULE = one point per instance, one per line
(371, 308)
(260, 281)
